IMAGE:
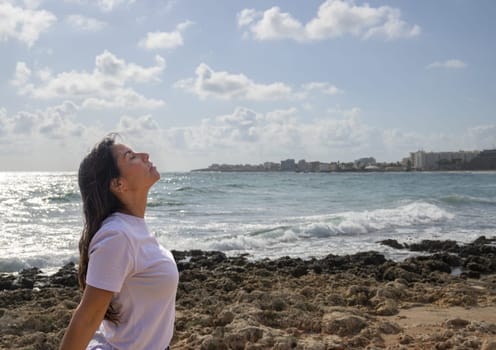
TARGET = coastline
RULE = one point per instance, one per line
(437, 301)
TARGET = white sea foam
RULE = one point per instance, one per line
(307, 231)
(363, 222)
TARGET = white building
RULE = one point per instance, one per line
(422, 160)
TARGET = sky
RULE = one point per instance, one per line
(227, 81)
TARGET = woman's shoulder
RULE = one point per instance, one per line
(113, 229)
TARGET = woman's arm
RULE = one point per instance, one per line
(86, 319)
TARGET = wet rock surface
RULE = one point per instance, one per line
(335, 302)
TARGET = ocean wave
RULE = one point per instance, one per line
(184, 188)
(462, 200)
(237, 243)
(343, 224)
(234, 185)
(268, 230)
(12, 265)
(15, 264)
(195, 190)
(64, 197)
(164, 203)
(409, 215)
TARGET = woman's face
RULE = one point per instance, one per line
(136, 170)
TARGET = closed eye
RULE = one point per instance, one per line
(129, 153)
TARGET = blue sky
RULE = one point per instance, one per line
(227, 81)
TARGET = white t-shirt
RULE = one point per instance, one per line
(126, 259)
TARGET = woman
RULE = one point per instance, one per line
(129, 281)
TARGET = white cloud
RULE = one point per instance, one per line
(226, 86)
(104, 5)
(448, 64)
(246, 17)
(276, 25)
(137, 125)
(335, 18)
(323, 87)
(245, 133)
(3, 122)
(54, 122)
(108, 5)
(23, 24)
(106, 87)
(32, 4)
(338, 111)
(22, 74)
(483, 136)
(165, 40)
(123, 98)
(85, 23)
(49, 139)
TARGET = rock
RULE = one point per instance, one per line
(224, 318)
(482, 240)
(390, 291)
(392, 243)
(286, 343)
(457, 323)
(237, 339)
(389, 328)
(289, 303)
(472, 344)
(405, 339)
(342, 324)
(396, 272)
(471, 274)
(212, 343)
(358, 295)
(387, 307)
(26, 278)
(473, 266)
(432, 246)
(6, 281)
(66, 276)
(489, 344)
(299, 271)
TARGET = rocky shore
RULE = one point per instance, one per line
(444, 298)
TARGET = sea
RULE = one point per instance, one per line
(261, 215)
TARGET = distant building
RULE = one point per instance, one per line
(485, 160)
(325, 167)
(288, 165)
(363, 162)
(314, 167)
(347, 166)
(302, 165)
(422, 160)
(333, 166)
(270, 166)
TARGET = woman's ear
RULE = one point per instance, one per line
(116, 185)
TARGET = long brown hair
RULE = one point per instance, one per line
(96, 171)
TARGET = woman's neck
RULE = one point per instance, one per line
(134, 205)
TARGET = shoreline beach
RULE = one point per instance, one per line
(338, 302)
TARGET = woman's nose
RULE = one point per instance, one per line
(145, 156)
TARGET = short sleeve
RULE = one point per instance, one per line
(110, 260)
